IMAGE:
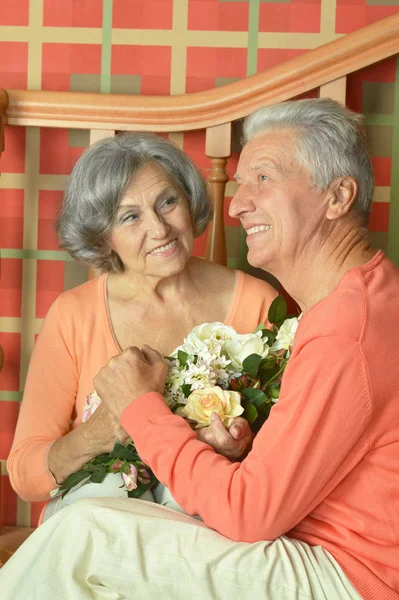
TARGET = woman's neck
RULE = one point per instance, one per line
(131, 285)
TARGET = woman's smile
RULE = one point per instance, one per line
(165, 250)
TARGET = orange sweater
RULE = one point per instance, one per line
(324, 468)
(75, 342)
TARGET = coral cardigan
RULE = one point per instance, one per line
(324, 468)
(75, 342)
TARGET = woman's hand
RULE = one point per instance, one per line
(233, 443)
(96, 436)
(102, 430)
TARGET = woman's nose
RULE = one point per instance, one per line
(158, 227)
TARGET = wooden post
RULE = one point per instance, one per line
(336, 90)
(95, 136)
(218, 149)
(3, 118)
(3, 121)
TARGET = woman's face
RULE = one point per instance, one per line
(153, 233)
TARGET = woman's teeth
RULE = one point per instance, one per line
(258, 228)
(161, 249)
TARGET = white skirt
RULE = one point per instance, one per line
(113, 548)
(111, 487)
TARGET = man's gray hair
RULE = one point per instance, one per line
(330, 143)
(98, 182)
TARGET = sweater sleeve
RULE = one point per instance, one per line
(311, 441)
(46, 409)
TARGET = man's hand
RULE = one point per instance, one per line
(233, 443)
(131, 374)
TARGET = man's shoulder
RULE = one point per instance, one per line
(342, 313)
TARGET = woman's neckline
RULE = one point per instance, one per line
(104, 291)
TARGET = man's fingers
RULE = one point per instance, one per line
(151, 355)
(240, 428)
(220, 432)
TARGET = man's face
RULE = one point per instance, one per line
(276, 201)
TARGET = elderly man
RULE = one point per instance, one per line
(312, 511)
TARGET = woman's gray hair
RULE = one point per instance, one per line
(331, 142)
(98, 182)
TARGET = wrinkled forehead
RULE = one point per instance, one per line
(148, 180)
(275, 147)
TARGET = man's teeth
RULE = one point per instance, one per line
(163, 248)
(258, 228)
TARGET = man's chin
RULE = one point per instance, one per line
(256, 261)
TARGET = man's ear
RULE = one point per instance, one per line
(342, 195)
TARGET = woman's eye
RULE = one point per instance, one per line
(130, 218)
(170, 201)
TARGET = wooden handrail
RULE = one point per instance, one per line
(336, 59)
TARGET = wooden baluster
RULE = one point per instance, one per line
(218, 149)
(95, 136)
(3, 121)
(334, 89)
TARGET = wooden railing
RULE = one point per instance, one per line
(325, 68)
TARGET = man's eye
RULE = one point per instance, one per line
(263, 178)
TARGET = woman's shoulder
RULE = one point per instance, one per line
(213, 273)
(80, 299)
(254, 285)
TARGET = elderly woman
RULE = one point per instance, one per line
(312, 511)
(133, 206)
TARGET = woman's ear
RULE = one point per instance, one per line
(343, 194)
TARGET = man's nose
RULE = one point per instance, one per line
(240, 203)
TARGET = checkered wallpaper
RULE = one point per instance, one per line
(148, 47)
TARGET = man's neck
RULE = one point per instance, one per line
(318, 271)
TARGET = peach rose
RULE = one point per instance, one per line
(202, 403)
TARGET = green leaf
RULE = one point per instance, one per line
(268, 363)
(264, 411)
(273, 390)
(182, 357)
(121, 451)
(101, 459)
(250, 413)
(260, 327)
(277, 311)
(268, 374)
(251, 364)
(74, 479)
(270, 335)
(186, 389)
(255, 397)
(99, 476)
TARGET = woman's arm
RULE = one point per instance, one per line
(45, 451)
(97, 435)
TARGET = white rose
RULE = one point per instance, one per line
(286, 334)
(245, 344)
(208, 337)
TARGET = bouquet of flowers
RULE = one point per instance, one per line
(214, 370)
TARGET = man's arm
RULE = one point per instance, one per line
(307, 446)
